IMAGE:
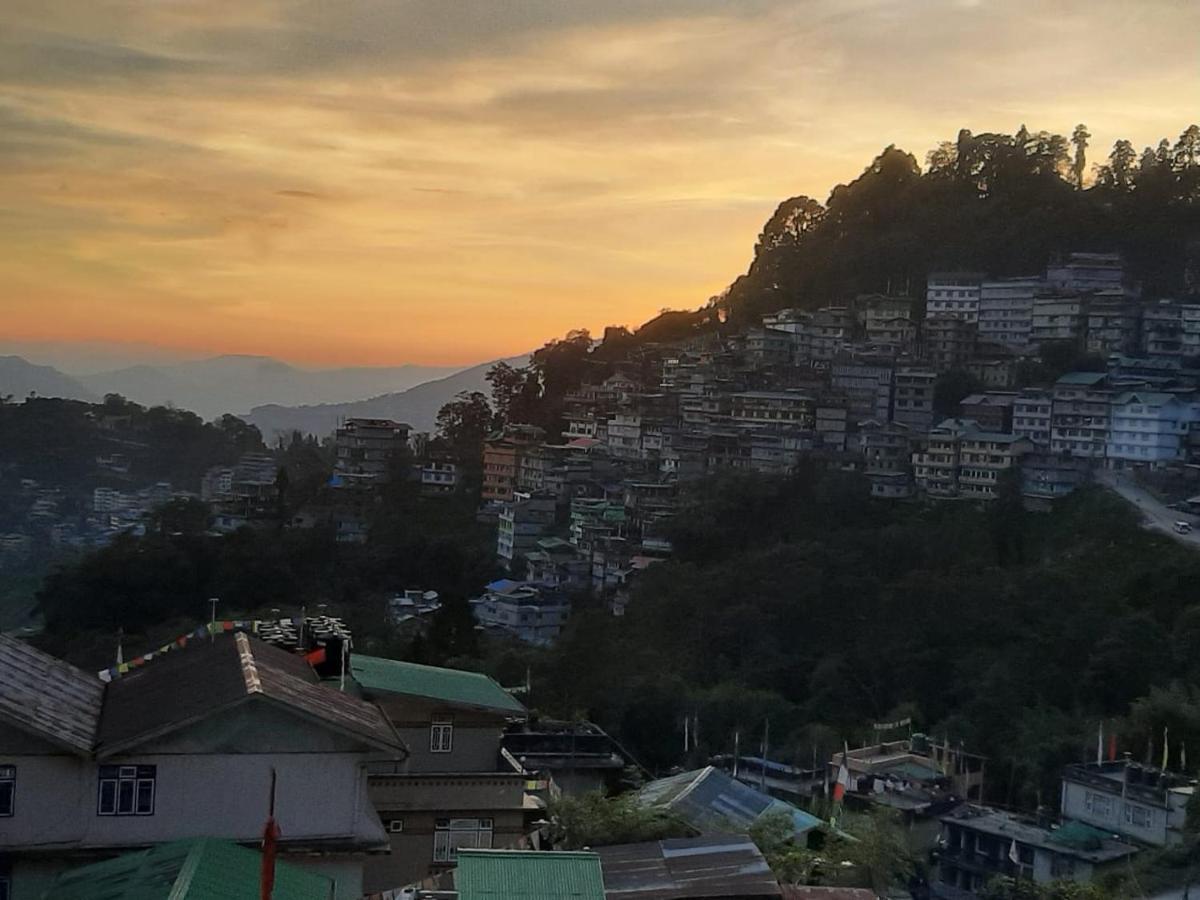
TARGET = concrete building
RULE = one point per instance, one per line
(185, 745)
(369, 448)
(1128, 799)
(949, 342)
(523, 520)
(960, 460)
(502, 455)
(827, 332)
(1079, 272)
(792, 408)
(1112, 324)
(1150, 429)
(527, 611)
(1189, 323)
(1058, 319)
(953, 295)
(992, 410)
(979, 843)
(912, 405)
(457, 789)
(1032, 411)
(1079, 417)
(1046, 477)
(1006, 311)
(867, 387)
(1162, 329)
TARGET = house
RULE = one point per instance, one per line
(912, 405)
(1134, 801)
(867, 387)
(1112, 324)
(1163, 329)
(1006, 311)
(456, 789)
(711, 802)
(949, 341)
(772, 408)
(578, 756)
(527, 611)
(961, 460)
(370, 447)
(1087, 272)
(1058, 320)
(185, 745)
(196, 869)
(502, 456)
(992, 410)
(979, 843)
(716, 866)
(1031, 414)
(523, 520)
(1046, 477)
(528, 875)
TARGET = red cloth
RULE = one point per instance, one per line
(315, 657)
(267, 880)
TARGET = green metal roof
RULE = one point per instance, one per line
(451, 685)
(197, 869)
(528, 875)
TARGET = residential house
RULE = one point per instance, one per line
(867, 386)
(369, 448)
(579, 757)
(1124, 798)
(1189, 323)
(992, 410)
(1086, 272)
(827, 332)
(185, 745)
(979, 843)
(1112, 325)
(949, 342)
(750, 408)
(523, 520)
(1046, 477)
(1162, 329)
(524, 610)
(960, 460)
(456, 789)
(1058, 319)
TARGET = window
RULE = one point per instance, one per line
(441, 736)
(1139, 816)
(450, 834)
(1098, 804)
(8, 792)
(395, 826)
(126, 791)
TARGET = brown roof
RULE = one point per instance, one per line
(714, 866)
(47, 697)
(208, 677)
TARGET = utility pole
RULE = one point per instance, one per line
(212, 621)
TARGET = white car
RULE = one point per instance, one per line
(1183, 527)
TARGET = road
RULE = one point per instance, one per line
(1155, 514)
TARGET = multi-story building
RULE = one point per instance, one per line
(438, 473)
(456, 789)
(1046, 477)
(1087, 272)
(1150, 429)
(522, 521)
(768, 346)
(1079, 415)
(793, 408)
(1112, 324)
(1058, 319)
(367, 449)
(887, 449)
(1032, 410)
(1006, 311)
(531, 612)
(827, 332)
(953, 295)
(625, 435)
(888, 321)
(979, 844)
(186, 744)
(1189, 323)
(867, 387)
(992, 410)
(1162, 329)
(912, 405)
(502, 456)
(949, 342)
(936, 465)
(961, 460)
(1128, 799)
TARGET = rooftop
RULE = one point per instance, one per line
(528, 875)
(1093, 847)
(210, 677)
(711, 801)
(197, 869)
(376, 674)
(48, 697)
(714, 865)
(1082, 378)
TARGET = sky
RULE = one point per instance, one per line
(375, 182)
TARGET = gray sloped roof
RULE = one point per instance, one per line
(711, 801)
(47, 697)
(714, 865)
(206, 678)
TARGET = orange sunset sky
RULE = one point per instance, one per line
(447, 181)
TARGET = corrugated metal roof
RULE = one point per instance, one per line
(207, 677)
(450, 685)
(48, 697)
(711, 801)
(528, 875)
(198, 869)
(716, 865)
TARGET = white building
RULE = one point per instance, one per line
(953, 295)
(1006, 311)
(1150, 429)
(1128, 799)
(1032, 412)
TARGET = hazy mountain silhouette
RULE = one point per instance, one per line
(236, 384)
(418, 406)
(19, 378)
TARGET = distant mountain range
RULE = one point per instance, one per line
(212, 387)
(418, 406)
(20, 378)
